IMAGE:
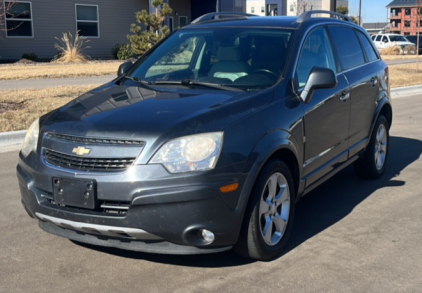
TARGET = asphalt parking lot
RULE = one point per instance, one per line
(349, 235)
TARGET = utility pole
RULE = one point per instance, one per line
(360, 12)
(333, 5)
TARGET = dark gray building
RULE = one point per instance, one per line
(104, 22)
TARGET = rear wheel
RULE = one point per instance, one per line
(269, 215)
(372, 164)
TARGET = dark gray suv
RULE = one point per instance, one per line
(207, 141)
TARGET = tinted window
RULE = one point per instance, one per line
(348, 46)
(378, 38)
(316, 52)
(384, 39)
(367, 47)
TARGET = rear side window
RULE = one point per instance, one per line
(367, 47)
(348, 46)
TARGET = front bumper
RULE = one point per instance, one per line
(165, 212)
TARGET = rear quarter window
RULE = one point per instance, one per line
(348, 47)
(370, 53)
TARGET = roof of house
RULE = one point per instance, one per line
(375, 25)
(402, 3)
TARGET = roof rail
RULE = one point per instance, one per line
(211, 16)
(308, 15)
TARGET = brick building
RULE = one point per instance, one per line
(404, 17)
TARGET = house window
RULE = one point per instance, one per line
(394, 24)
(87, 20)
(407, 23)
(292, 8)
(19, 20)
(407, 34)
(407, 11)
(252, 9)
(262, 9)
(183, 20)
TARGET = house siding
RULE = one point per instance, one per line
(52, 18)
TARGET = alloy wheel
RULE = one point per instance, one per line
(274, 209)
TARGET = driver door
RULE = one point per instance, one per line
(326, 117)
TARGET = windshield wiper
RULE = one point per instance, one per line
(188, 82)
(146, 84)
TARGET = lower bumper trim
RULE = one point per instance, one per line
(111, 231)
(154, 246)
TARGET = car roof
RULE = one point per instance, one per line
(262, 21)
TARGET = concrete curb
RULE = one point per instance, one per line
(16, 137)
(406, 91)
(12, 138)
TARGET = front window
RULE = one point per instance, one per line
(242, 58)
(87, 22)
(398, 39)
(18, 19)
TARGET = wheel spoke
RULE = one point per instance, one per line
(280, 224)
(283, 195)
(381, 133)
(268, 230)
(272, 186)
(264, 207)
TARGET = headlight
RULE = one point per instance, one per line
(190, 153)
(31, 138)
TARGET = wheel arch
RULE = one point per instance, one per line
(280, 145)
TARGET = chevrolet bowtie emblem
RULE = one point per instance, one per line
(81, 151)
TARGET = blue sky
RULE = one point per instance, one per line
(372, 10)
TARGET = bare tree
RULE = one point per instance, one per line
(3, 10)
(300, 6)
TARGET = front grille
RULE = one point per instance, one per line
(91, 140)
(87, 164)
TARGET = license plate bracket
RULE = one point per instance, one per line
(75, 192)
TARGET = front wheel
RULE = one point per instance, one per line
(269, 215)
(372, 164)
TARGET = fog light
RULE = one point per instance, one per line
(208, 236)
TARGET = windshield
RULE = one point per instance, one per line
(398, 39)
(245, 58)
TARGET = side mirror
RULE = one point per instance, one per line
(123, 68)
(320, 78)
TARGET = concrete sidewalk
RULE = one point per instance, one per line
(52, 82)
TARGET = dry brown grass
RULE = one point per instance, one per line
(33, 104)
(395, 50)
(50, 70)
(399, 57)
(405, 75)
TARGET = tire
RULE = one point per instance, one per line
(263, 237)
(372, 164)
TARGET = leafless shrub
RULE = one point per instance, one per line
(394, 50)
(71, 49)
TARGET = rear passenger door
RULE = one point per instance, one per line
(360, 67)
(326, 117)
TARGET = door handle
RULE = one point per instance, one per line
(374, 81)
(345, 96)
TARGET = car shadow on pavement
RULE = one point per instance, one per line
(320, 209)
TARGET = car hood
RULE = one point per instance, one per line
(136, 112)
